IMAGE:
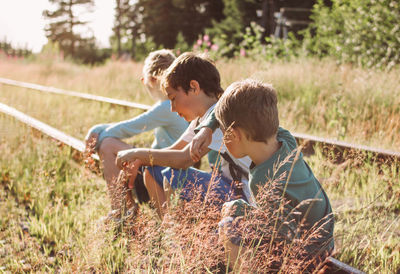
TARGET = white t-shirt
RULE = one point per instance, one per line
(218, 145)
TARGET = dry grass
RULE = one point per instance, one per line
(321, 98)
(341, 102)
(49, 207)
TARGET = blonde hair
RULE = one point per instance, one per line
(252, 106)
(157, 62)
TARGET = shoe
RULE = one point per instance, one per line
(112, 217)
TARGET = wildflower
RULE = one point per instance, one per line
(206, 38)
(242, 52)
(199, 42)
(214, 47)
(195, 47)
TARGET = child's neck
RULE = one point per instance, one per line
(260, 152)
(158, 96)
(204, 105)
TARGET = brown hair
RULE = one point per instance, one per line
(252, 106)
(190, 66)
(157, 62)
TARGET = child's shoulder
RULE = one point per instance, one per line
(162, 108)
(287, 137)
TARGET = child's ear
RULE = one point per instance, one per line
(236, 133)
(195, 86)
(153, 80)
(240, 134)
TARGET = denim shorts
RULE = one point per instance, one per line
(216, 187)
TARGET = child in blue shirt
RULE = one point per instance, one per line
(167, 125)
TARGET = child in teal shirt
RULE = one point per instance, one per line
(247, 114)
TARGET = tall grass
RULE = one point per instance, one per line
(316, 97)
(49, 205)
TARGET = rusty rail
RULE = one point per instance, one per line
(54, 133)
(73, 93)
(338, 148)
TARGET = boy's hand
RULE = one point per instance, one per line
(132, 171)
(124, 157)
(200, 143)
(91, 142)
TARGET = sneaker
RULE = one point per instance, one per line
(112, 216)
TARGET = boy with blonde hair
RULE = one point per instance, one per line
(247, 113)
(106, 139)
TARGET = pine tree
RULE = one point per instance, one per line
(195, 16)
(118, 25)
(159, 21)
(64, 22)
(163, 20)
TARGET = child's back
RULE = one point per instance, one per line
(296, 182)
(247, 113)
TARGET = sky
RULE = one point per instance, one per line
(22, 23)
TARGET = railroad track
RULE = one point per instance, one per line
(339, 149)
(78, 146)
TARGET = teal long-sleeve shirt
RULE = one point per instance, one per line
(297, 184)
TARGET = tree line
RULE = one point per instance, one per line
(143, 25)
(361, 31)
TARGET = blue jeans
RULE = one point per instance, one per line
(217, 188)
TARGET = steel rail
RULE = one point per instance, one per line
(339, 148)
(73, 93)
(56, 134)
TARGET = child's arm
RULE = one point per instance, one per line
(179, 144)
(162, 157)
(132, 171)
(159, 115)
(200, 143)
(203, 137)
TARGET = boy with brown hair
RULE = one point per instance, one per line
(192, 84)
(248, 115)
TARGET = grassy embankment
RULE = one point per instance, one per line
(50, 205)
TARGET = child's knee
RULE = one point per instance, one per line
(105, 146)
(110, 146)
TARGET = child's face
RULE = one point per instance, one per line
(183, 103)
(233, 141)
(152, 85)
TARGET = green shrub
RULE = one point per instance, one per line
(364, 32)
(273, 48)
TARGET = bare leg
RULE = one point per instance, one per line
(168, 191)
(156, 193)
(232, 255)
(108, 152)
